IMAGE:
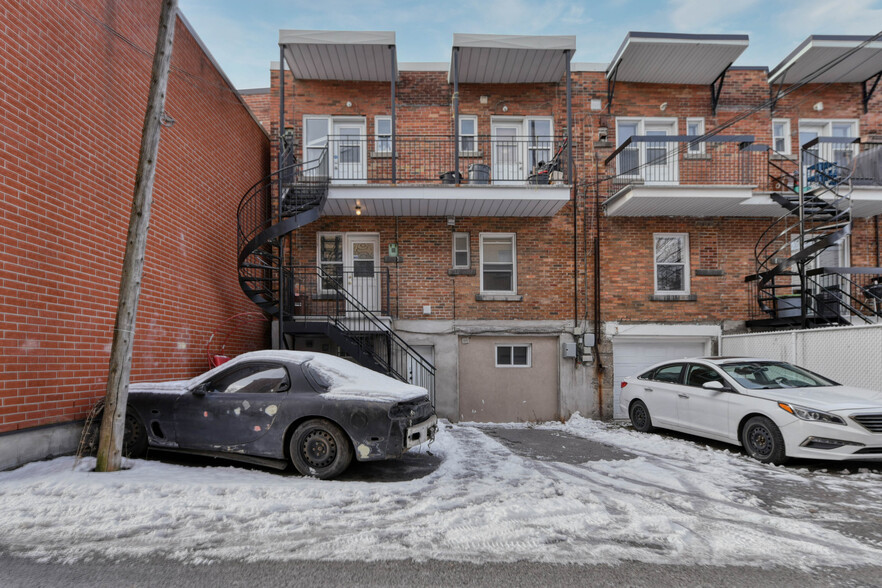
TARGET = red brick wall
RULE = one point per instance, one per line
(259, 103)
(71, 108)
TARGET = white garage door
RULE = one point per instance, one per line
(632, 357)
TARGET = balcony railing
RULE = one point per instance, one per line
(309, 295)
(685, 160)
(427, 159)
(827, 161)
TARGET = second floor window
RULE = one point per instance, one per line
(498, 263)
(695, 127)
(383, 131)
(461, 250)
(781, 136)
(468, 134)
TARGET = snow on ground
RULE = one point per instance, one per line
(675, 502)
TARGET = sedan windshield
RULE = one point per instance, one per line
(763, 375)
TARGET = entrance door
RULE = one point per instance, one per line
(661, 158)
(508, 156)
(350, 157)
(361, 258)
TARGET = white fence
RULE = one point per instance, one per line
(849, 355)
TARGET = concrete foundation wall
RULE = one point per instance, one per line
(19, 448)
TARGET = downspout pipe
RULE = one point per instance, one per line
(456, 113)
(281, 333)
(575, 192)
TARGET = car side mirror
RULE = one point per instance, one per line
(200, 390)
(716, 385)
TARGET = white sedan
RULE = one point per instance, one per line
(775, 410)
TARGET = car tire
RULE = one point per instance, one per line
(762, 440)
(640, 418)
(134, 436)
(320, 449)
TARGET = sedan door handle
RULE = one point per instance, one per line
(683, 395)
(647, 389)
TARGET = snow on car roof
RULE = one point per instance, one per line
(347, 379)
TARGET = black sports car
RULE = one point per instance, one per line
(269, 407)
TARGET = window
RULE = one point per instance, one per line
(498, 263)
(383, 132)
(468, 134)
(699, 375)
(540, 141)
(461, 258)
(671, 263)
(669, 373)
(695, 127)
(315, 136)
(330, 258)
(840, 154)
(513, 355)
(628, 160)
(654, 162)
(252, 379)
(781, 135)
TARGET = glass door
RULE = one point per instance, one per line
(362, 277)
(508, 160)
(350, 155)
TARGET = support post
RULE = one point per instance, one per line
(113, 421)
(611, 87)
(392, 75)
(867, 94)
(281, 333)
(800, 265)
(456, 113)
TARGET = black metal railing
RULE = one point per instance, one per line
(684, 160)
(367, 334)
(842, 292)
(431, 159)
(308, 294)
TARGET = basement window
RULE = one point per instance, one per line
(514, 356)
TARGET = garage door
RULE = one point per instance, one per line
(632, 357)
(508, 379)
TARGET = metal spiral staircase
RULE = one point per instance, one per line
(791, 287)
(271, 210)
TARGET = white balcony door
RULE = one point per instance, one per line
(361, 260)
(350, 155)
(508, 153)
(661, 158)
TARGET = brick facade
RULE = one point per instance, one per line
(76, 78)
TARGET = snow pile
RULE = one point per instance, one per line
(347, 380)
(676, 502)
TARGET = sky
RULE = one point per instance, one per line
(243, 35)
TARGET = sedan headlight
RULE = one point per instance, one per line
(810, 414)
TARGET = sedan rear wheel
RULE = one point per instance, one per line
(320, 449)
(763, 441)
(640, 417)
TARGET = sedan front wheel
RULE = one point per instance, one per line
(763, 441)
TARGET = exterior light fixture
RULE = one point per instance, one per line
(357, 210)
(505, 108)
(663, 106)
(348, 104)
(819, 106)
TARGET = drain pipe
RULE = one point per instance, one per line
(599, 368)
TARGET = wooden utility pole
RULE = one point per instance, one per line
(113, 422)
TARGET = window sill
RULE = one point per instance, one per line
(471, 154)
(499, 297)
(781, 157)
(709, 272)
(462, 271)
(381, 155)
(673, 297)
(698, 156)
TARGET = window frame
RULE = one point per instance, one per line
(695, 148)
(474, 136)
(691, 366)
(683, 370)
(381, 138)
(788, 140)
(511, 346)
(514, 262)
(321, 264)
(468, 250)
(685, 263)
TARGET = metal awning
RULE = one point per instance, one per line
(340, 55)
(818, 51)
(512, 59)
(666, 58)
(447, 200)
(690, 201)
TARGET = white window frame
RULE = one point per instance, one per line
(685, 262)
(380, 137)
(467, 251)
(514, 262)
(329, 122)
(545, 143)
(512, 346)
(674, 166)
(474, 136)
(824, 127)
(788, 148)
(696, 148)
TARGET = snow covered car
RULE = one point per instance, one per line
(271, 407)
(775, 410)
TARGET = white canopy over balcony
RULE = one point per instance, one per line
(820, 51)
(512, 59)
(340, 55)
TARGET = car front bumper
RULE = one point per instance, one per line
(810, 440)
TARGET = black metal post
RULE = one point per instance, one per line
(393, 76)
(569, 120)
(456, 114)
(281, 334)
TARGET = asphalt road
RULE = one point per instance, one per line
(541, 445)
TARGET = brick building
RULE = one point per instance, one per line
(76, 79)
(637, 253)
